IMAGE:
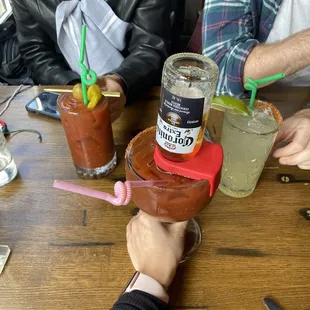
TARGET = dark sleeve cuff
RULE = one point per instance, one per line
(138, 300)
(133, 80)
(64, 77)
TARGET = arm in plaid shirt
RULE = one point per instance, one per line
(228, 37)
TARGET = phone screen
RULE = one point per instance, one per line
(46, 104)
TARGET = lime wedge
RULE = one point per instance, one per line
(221, 103)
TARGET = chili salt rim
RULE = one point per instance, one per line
(138, 136)
(275, 112)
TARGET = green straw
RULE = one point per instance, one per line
(252, 85)
(271, 78)
(82, 57)
(86, 73)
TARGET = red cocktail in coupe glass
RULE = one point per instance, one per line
(181, 199)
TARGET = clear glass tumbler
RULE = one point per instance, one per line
(8, 169)
(247, 142)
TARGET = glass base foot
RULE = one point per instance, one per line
(97, 173)
(192, 239)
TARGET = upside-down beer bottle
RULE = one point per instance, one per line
(188, 85)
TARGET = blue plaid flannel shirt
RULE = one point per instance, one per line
(230, 30)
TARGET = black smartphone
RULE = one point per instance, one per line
(44, 104)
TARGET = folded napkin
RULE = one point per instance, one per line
(106, 34)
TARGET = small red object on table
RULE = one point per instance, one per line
(3, 127)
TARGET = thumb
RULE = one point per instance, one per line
(288, 129)
(280, 137)
(298, 144)
(101, 81)
(284, 134)
(178, 228)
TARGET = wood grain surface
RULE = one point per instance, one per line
(69, 251)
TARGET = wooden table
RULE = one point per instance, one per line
(69, 251)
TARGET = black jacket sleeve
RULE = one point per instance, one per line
(147, 45)
(138, 300)
(38, 49)
(146, 48)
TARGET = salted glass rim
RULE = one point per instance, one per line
(105, 101)
(278, 118)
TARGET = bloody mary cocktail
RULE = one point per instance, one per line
(179, 200)
(89, 135)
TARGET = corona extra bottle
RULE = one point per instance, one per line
(188, 85)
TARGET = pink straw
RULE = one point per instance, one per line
(122, 190)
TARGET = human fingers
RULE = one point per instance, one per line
(296, 159)
(305, 165)
(297, 145)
